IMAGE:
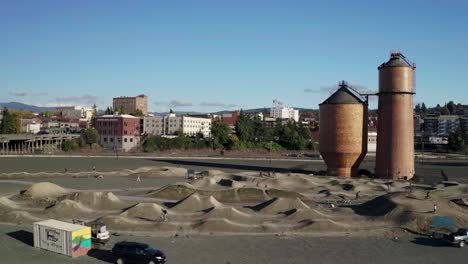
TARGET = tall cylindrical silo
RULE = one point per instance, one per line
(343, 131)
(395, 129)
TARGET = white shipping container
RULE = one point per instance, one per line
(62, 237)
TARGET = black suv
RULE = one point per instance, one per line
(132, 252)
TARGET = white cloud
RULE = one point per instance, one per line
(214, 104)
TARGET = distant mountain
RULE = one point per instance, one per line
(21, 106)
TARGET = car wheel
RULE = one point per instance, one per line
(119, 261)
(461, 244)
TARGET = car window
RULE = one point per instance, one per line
(131, 250)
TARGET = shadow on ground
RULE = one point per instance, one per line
(430, 242)
(296, 169)
(102, 255)
(23, 236)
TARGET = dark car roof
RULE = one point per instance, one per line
(133, 244)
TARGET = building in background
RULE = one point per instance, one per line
(31, 125)
(118, 132)
(171, 124)
(75, 112)
(442, 125)
(152, 125)
(282, 111)
(131, 104)
(448, 124)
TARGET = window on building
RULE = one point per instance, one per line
(131, 139)
(105, 139)
(111, 139)
(119, 140)
(125, 140)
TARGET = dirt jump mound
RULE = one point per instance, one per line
(44, 190)
(280, 205)
(97, 200)
(196, 202)
(149, 211)
(68, 208)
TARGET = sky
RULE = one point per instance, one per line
(211, 55)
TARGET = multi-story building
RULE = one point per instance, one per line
(30, 125)
(431, 125)
(131, 104)
(230, 118)
(118, 132)
(74, 112)
(464, 124)
(465, 110)
(282, 111)
(448, 124)
(152, 125)
(171, 124)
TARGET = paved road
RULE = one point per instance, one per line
(15, 247)
(456, 170)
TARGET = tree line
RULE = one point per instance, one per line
(249, 133)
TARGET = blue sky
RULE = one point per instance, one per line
(214, 55)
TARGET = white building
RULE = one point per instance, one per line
(170, 124)
(282, 111)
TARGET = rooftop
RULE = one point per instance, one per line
(345, 95)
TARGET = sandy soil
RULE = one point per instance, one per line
(218, 202)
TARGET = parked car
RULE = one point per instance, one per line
(132, 252)
(459, 238)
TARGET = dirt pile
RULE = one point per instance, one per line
(196, 202)
(68, 208)
(280, 205)
(147, 211)
(173, 191)
(18, 217)
(44, 190)
(7, 204)
(229, 213)
(302, 214)
(97, 200)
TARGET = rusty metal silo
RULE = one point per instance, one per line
(343, 131)
(395, 129)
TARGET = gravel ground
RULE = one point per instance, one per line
(456, 170)
(15, 247)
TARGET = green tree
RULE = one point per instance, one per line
(455, 141)
(70, 145)
(90, 136)
(10, 124)
(46, 114)
(444, 111)
(244, 127)
(423, 108)
(220, 133)
(121, 110)
(137, 112)
(109, 111)
(417, 108)
(451, 107)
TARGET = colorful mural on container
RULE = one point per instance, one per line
(81, 242)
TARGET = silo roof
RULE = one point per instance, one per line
(345, 95)
(397, 60)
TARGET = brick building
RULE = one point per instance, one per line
(131, 104)
(118, 132)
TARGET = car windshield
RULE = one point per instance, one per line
(461, 232)
(151, 250)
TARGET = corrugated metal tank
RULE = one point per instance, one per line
(395, 129)
(343, 131)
